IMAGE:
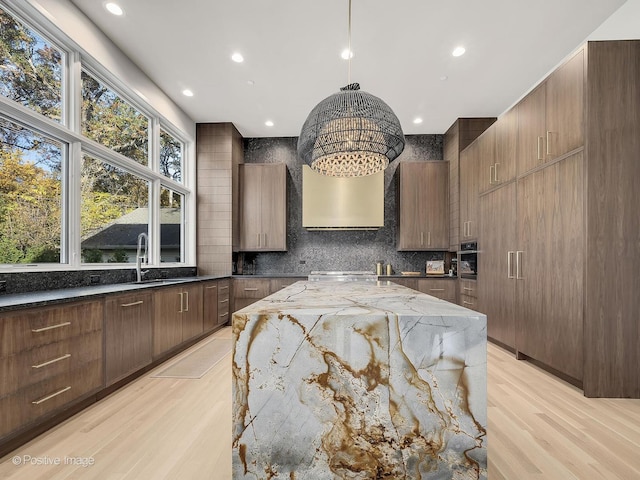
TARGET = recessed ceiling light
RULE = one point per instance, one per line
(346, 54)
(237, 57)
(114, 8)
(458, 51)
(417, 120)
(269, 123)
(251, 83)
(187, 93)
(443, 77)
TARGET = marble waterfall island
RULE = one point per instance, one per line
(358, 380)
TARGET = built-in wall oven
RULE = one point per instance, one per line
(468, 260)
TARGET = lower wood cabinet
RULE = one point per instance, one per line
(128, 334)
(215, 300)
(443, 288)
(249, 290)
(50, 358)
(469, 294)
(177, 317)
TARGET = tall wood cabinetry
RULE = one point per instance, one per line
(422, 206)
(457, 138)
(263, 207)
(557, 272)
(469, 188)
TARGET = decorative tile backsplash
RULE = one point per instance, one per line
(330, 249)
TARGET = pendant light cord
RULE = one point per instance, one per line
(350, 53)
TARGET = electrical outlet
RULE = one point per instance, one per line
(3, 286)
(94, 279)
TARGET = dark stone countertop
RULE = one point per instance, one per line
(38, 299)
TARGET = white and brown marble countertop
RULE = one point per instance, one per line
(337, 380)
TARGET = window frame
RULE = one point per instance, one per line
(69, 132)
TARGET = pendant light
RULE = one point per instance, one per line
(350, 133)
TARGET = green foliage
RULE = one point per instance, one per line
(119, 256)
(92, 255)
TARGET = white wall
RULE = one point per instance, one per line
(624, 24)
(91, 40)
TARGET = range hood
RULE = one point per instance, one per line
(342, 203)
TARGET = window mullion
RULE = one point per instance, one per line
(73, 207)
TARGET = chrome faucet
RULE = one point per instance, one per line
(143, 244)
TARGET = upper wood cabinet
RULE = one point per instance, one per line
(551, 117)
(469, 180)
(423, 206)
(128, 334)
(263, 207)
(486, 149)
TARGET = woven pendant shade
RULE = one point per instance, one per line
(350, 134)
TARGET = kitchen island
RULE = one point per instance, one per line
(358, 380)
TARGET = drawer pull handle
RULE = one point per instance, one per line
(436, 289)
(44, 329)
(224, 301)
(467, 303)
(225, 287)
(212, 287)
(468, 289)
(49, 397)
(139, 302)
(40, 365)
(224, 314)
(251, 289)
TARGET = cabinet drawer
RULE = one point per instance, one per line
(444, 289)
(277, 284)
(224, 301)
(251, 288)
(26, 405)
(468, 288)
(36, 365)
(469, 302)
(32, 328)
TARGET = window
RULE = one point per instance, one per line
(112, 122)
(31, 187)
(171, 222)
(30, 68)
(170, 156)
(76, 193)
(114, 211)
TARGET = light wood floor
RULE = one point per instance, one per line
(160, 428)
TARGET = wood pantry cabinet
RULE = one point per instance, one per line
(263, 207)
(551, 117)
(469, 188)
(128, 334)
(50, 358)
(457, 138)
(178, 316)
(423, 211)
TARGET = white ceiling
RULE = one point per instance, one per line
(292, 49)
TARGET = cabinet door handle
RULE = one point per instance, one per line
(265, 240)
(49, 362)
(187, 302)
(247, 289)
(49, 397)
(258, 238)
(181, 302)
(509, 269)
(518, 256)
(211, 288)
(139, 302)
(491, 174)
(469, 229)
(44, 329)
(495, 173)
(548, 143)
(421, 238)
(429, 239)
